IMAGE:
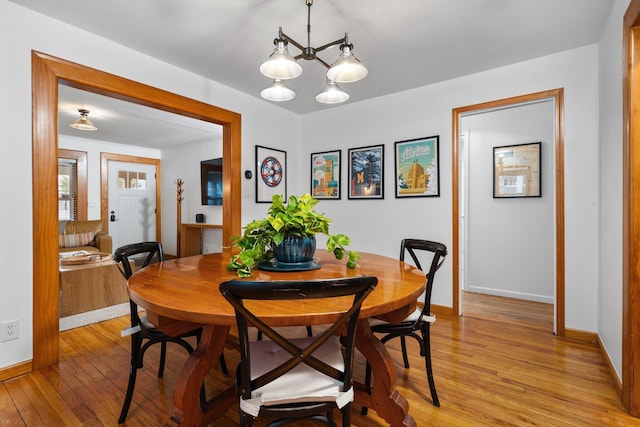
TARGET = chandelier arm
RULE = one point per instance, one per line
(293, 42)
(334, 43)
(322, 62)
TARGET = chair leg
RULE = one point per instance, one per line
(223, 365)
(405, 358)
(367, 384)
(346, 415)
(136, 343)
(163, 357)
(427, 358)
(246, 420)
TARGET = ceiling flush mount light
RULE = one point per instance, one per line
(282, 66)
(83, 123)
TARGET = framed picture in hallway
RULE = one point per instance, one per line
(417, 167)
(366, 167)
(325, 174)
(516, 171)
(271, 173)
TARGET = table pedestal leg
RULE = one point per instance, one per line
(383, 397)
(186, 392)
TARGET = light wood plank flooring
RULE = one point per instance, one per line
(499, 364)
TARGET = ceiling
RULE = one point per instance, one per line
(404, 44)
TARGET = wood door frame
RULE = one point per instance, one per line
(47, 72)
(105, 158)
(81, 179)
(557, 95)
(631, 211)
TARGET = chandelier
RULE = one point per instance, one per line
(281, 66)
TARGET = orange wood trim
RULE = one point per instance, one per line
(45, 213)
(104, 186)
(441, 310)
(49, 71)
(558, 96)
(631, 210)
(584, 336)
(81, 186)
(15, 370)
(455, 211)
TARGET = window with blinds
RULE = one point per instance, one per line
(67, 190)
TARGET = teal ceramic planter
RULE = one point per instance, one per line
(296, 249)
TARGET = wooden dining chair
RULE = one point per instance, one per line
(143, 333)
(290, 379)
(421, 319)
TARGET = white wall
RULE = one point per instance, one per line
(510, 242)
(22, 31)
(379, 225)
(609, 312)
(184, 162)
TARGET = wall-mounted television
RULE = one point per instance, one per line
(211, 181)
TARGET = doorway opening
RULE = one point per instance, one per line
(47, 72)
(556, 96)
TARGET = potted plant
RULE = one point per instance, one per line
(297, 221)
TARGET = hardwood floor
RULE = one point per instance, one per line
(499, 364)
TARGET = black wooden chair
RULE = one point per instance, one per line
(143, 333)
(421, 319)
(290, 379)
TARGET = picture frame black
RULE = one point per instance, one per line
(366, 172)
(417, 167)
(326, 175)
(516, 171)
(271, 173)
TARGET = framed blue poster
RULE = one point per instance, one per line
(366, 167)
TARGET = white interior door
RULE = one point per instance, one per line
(132, 202)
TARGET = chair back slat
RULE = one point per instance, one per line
(237, 291)
(124, 254)
(438, 253)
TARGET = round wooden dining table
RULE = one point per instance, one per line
(182, 294)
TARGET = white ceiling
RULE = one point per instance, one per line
(404, 43)
(130, 124)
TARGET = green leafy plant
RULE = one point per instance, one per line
(297, 217)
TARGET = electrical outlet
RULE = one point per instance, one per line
(9, 330)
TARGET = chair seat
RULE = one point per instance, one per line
(413, 317)
(301, 384)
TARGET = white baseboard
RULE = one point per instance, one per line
(94, 316)
(510, 294)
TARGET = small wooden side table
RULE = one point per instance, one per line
(191, 238)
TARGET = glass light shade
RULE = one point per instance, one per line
(83, 123)
(332, 94)
(347, 68)
(278, 92)
(280, 64)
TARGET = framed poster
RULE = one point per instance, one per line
(325, 174)
(366, 171)
(516, 171)
(271, 173)
(417, 167)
